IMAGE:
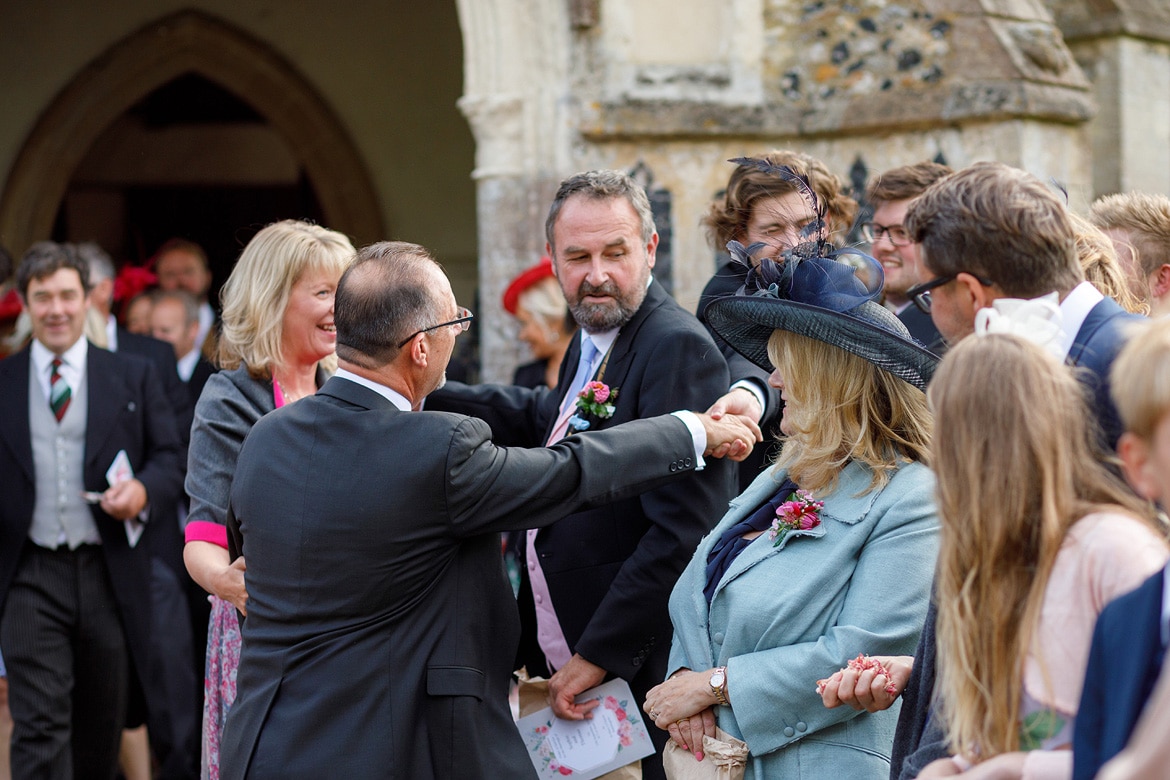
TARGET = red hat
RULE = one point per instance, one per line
(10, 307)
(132, 280)
(542, 270)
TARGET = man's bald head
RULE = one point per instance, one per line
(387, 294)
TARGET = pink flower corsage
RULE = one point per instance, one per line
(597, 399)
(799, 513)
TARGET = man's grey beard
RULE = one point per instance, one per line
(602, 317)
(598, 318)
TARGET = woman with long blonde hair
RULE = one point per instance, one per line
(276, 346)
(1037, 536)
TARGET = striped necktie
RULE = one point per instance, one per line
(59, 392)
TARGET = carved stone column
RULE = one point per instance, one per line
(514, 64)
(1124, 48)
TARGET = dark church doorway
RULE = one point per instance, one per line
(189, 160)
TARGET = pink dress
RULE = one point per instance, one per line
(1104, 555)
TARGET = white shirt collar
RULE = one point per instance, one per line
(186, 365)
(111, 333)
(602, 340)
(1073, 310)
(72, 362)
(393, 396)
(206, 320)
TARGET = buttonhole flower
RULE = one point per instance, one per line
(799, 513)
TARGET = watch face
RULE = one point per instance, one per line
(717, 678)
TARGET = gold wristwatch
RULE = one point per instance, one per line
(718, 685)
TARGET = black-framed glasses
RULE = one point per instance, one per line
(895, 234)
(461, 323)
(920, 293)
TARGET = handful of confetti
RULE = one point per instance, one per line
(863, 663)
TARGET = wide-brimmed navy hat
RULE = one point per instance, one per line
(868, 330)
(817, 291)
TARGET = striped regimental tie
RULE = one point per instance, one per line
(59, 392)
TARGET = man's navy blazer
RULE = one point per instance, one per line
(1124, 662)
(1100, 338)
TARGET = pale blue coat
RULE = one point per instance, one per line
(784, 617)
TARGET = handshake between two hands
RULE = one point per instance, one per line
(731, 426)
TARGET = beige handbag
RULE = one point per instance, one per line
(724, 758)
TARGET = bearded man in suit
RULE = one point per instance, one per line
(381, 627)
(594, 586)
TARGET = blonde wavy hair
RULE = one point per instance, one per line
(1101, 266)
(1017, 465)
(1139, 379)
(256, 294)
(844, 408)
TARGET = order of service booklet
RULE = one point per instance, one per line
(615, 736)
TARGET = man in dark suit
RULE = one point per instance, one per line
(890, 194)
(174, 684)
(594, 588)
(174, 318)
(381, 628)
(75, 579)
(990, 232)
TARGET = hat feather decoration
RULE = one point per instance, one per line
(818, 291)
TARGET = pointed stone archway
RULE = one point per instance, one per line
(186, 42)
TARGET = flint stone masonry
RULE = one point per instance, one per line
(831, 67)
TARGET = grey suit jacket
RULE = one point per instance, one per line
(381, 627)
(231, 403)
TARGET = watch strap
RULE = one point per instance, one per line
(720, 691)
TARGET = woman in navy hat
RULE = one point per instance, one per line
(830, 552)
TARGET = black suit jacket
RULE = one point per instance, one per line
(127, 411)
(729, 280)
(611, 569)
(1124, 662)
(381, 627)
(203, 371)
(162, 355)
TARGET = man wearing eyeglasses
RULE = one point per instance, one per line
(381, 627)
(890, 194)
(988, 233)
(992, 232)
